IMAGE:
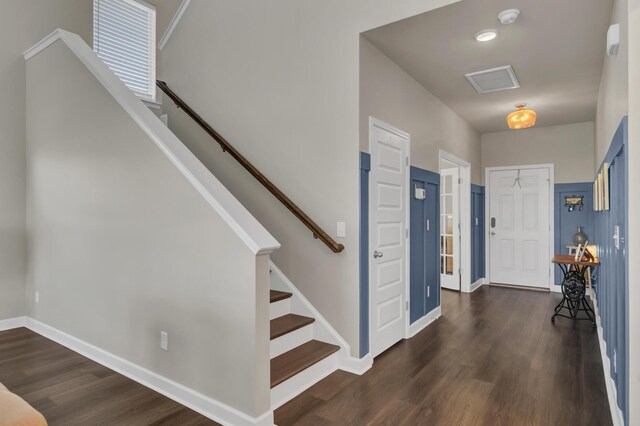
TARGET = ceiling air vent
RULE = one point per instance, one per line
(493, 80)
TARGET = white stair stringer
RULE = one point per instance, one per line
(320, 330)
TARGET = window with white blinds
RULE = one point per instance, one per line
(124, 37)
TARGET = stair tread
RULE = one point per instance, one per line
(276, 296)
(288, 323)
(298, 359)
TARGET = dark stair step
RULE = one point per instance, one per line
(288, 323)
(276, 296)
(298, 359)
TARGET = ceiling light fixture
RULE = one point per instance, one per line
(486, 35)
(508, 16)
(522, 118)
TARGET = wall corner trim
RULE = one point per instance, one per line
(237, 217)
(174, 23)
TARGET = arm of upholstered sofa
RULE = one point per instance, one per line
(14, 411)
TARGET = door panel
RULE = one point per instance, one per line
(450, 229)
(388, 240)
(519, 242)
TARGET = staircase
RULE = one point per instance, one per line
(298, 360)
(304, 347)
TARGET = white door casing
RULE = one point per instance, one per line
(520, 232)
(450, 229)
(388, 261)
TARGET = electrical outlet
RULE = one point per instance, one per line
(37, 297)
(341, 230)
(615, 362)
(164, 340)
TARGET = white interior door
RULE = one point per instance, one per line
(388, 236)
(519, 226)
(450, 229)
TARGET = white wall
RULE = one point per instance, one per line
(22, 23)
(122, 245)
(613, 97)
(279, 79)
(634, 207)
(569, 146)
(388, 93)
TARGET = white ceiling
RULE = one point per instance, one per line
(556, 48)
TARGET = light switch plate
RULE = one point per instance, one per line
(341, 229)
(616, 236)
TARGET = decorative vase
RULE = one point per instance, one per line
(579, 237)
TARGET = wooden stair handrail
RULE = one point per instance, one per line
(227, 147)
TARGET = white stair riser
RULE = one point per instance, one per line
(291, 340)
(279, 308)
(302, 381)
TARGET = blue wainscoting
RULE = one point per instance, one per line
(424, 250)
(477, 233)
(566, 223)
(365, 167)
(612, 287)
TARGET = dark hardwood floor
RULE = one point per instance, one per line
(69, 389)
(493, 358)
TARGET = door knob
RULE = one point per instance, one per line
(377, 254)
(493, 233)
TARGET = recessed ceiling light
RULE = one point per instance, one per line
(486, 35)
(508, 16)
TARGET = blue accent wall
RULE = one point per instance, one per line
(477, 233)
(424, 280)
(566, 223)
(612, 286)
(365, 167)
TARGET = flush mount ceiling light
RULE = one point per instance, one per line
(522, 118)
(486, 35)
(508, 16)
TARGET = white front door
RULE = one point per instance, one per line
(450, 229)
(388, 236)
(519, 227)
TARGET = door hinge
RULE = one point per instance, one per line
(406, 232)
(406, 304)
(407, 158)
(460, 180)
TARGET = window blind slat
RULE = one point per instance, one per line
(114, 34)
(124, 38)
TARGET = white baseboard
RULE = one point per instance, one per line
(302, 381)
(11, 323)
(616, 413)
(419, 325)
(190, 398)
(479, 283)
(354, 365)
